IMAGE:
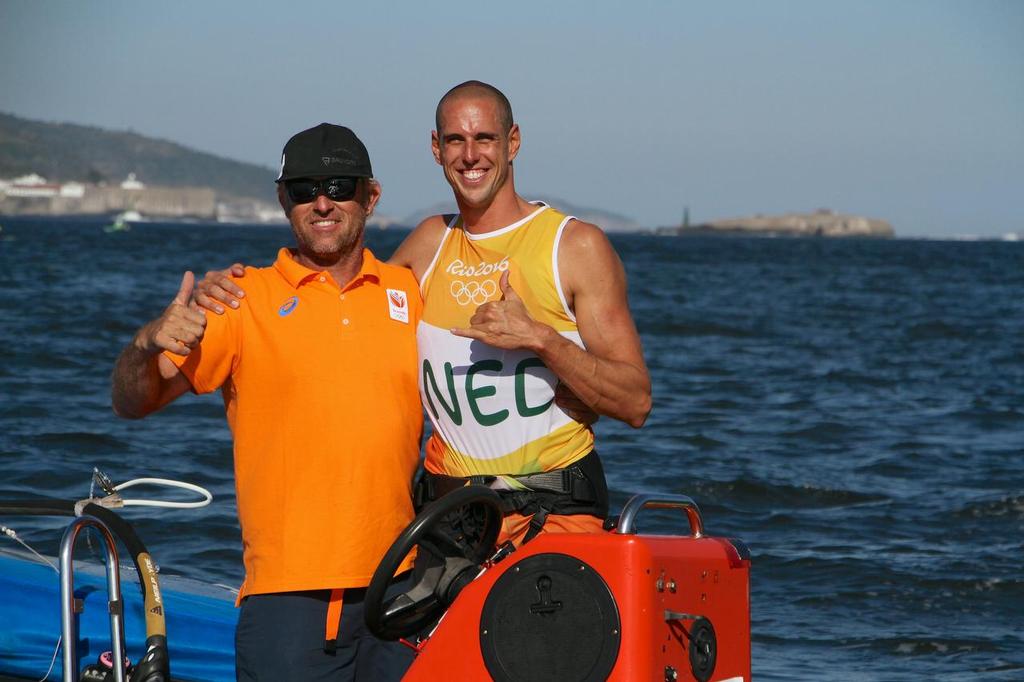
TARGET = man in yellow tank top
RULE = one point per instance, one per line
(525, 311)
(518, 299)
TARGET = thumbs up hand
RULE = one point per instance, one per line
(505, 323)
(179, 329)
(507, 292)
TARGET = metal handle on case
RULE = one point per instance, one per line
(627, 519)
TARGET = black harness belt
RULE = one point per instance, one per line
(579, 488)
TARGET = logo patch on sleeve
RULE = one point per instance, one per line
(398, 305)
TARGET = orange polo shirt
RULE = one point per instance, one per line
(320, 387)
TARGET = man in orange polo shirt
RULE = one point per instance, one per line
(318, 374)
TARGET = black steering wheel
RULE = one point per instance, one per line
(455, 535)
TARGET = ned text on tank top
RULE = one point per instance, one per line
(493, 410)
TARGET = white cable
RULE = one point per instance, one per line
(166, 503)
(9, 532)
(53, 660)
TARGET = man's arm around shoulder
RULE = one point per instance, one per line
(417, 250)
(145, 380)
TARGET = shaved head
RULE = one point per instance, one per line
(478, 89)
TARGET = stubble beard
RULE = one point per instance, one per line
(326, 252)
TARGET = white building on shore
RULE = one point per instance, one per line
(31, 185)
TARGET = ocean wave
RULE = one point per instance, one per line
(990, 417)
(826, 431)
(78, 442)
(14, 410)
(721, 404)
(753, 494)
(936, 330)
(702, 442)
(1006, 507)
(923, 646)
(685, 328)
(848, 377)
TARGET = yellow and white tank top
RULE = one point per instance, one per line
(493, 410)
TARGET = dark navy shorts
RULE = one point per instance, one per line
(280, 638)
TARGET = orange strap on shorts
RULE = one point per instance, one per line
(333, 619)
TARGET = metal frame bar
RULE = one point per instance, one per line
(627, 520)
(69, 631)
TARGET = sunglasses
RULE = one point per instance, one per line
(305, 190)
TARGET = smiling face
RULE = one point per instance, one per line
(327, 231)
(475, 149)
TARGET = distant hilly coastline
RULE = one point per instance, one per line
(234, 191)
(66, 152)
(75, 169)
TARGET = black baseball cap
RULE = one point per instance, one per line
(323, 151)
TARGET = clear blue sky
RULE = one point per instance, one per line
(912, 111)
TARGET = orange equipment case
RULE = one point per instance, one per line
(596, 606)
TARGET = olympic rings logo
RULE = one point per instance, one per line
(476, 293)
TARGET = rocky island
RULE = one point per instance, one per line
(821, 223)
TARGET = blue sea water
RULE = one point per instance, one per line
(854, 410)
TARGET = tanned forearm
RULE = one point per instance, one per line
(136, 384)
(611, 388)
(144, 380)
(608, 385)
(608, 374)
